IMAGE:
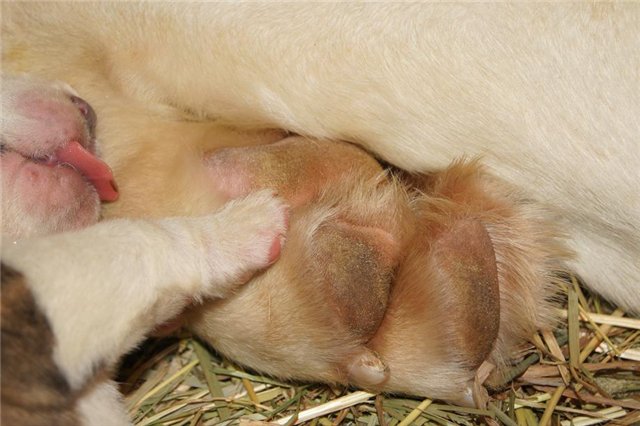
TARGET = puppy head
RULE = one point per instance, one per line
(51, 179)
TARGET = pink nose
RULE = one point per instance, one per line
(87, 112)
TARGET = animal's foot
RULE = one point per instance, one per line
(474, 393)
(368, 370)
(247, 235)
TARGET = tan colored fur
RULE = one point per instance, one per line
(401, 284)
(445, 292)
(546, 93)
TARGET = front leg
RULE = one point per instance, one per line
(103, 288)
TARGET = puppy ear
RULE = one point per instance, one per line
(466, 263)
(358, 248)
(356, 263)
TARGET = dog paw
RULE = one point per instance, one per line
(367, 369)
(248, 235)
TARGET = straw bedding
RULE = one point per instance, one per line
(587, 372)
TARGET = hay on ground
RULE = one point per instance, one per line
(585, 373)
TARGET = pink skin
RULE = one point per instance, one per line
(49, 123)
(51, 180)
(48, 193)
(230, 179)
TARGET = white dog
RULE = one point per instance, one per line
(548, 94)
(73, 303)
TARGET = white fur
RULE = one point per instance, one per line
(105, 287)
(102, 406)
(38, 118)
(16, 125)
(548, 94)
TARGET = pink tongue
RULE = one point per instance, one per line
(91, 167)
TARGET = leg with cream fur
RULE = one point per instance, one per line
(117, 280)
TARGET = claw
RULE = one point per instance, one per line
(368, 370)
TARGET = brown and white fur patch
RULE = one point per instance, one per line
(74, 302)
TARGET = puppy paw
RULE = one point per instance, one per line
(367, 369)
(248, 235)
